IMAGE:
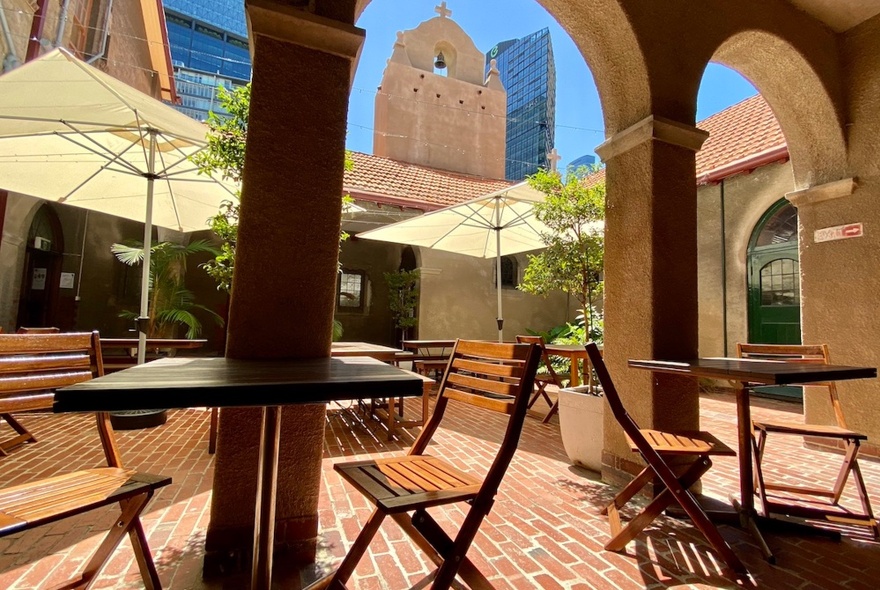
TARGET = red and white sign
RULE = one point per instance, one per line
(838, 232)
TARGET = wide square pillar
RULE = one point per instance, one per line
(283, 291)
(650, 276)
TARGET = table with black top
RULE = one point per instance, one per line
(230, 383)
(747, 373)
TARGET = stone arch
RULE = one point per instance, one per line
(811, 118)
(603, 33)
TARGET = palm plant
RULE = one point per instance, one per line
(171, 303)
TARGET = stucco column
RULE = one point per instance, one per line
(283, 293)
(650, 276)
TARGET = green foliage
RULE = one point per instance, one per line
(403, 298)
(575, 245)
(171, 304)
(227, 137)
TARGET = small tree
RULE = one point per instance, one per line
(403, 298)
(171, 303)
(573, 260)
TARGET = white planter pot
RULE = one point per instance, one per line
(581, 426)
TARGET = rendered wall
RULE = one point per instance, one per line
(458, 300)
(746, 198)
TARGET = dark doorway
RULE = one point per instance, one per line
(38, 304)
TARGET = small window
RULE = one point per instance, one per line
(780, 283)
(509, 272)
(351, 290)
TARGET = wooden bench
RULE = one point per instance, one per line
(31, 367)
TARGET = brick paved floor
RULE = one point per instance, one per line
(544, 531)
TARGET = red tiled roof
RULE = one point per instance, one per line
(408, 184)
(745, 135)
(742, 131)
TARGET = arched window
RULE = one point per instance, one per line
(509, 272)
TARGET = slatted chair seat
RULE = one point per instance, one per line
(684, 442)
(851, 440)
(676, 479)
(487, 376)
(55, 498)
(400, 484)
(820, 430)
(31, 366)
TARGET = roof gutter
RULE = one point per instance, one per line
(379, 198)
(747, 164)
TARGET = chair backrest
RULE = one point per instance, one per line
(35, 365)
(25, 330)
(545, 358)
(491, 376)
(802, 353)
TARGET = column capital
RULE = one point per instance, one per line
(652, 127)
(286, 23)
(822, 192)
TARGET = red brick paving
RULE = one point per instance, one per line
(544, 531)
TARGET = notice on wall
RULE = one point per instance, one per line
(838, 232)
(67, 279)
(38, 283)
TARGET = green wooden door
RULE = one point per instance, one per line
(774, 296)
(774, 286)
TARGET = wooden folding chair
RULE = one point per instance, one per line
(485, 375)
(543, 381)
(850, 439)
(655, 447)
(31, 367)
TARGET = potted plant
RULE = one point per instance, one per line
(403, 299)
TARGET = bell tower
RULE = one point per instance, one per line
(435, 108)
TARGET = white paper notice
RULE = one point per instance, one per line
(67, 279)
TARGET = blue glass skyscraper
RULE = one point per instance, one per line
(209, 48)
(581, 166)
(528, 73)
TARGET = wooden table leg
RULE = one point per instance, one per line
(267, 483)
(575, 372)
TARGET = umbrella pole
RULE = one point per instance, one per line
(143, 320)
(500, 318)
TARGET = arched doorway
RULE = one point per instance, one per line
(774, 278)
(38, 304)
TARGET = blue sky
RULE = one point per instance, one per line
(579, 126)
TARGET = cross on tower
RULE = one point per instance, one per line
(442, 10)
(554, 157)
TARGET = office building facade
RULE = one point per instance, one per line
(582, 166)
(209, 48)
(528, 74)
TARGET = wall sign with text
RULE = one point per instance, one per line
(838, 232)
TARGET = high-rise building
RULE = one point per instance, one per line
(209, 48)
(582, 166)
(528, 73)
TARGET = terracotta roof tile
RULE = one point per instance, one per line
(375, 175)
(745, 129)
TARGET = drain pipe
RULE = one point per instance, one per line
(62, 23)
(723, 268)
(10, 60)
(104, 36)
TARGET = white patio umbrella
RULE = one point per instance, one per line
(491, 226)
(72, 134)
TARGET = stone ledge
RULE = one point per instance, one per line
(651, 127)
(823, 192)
(285, 23)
